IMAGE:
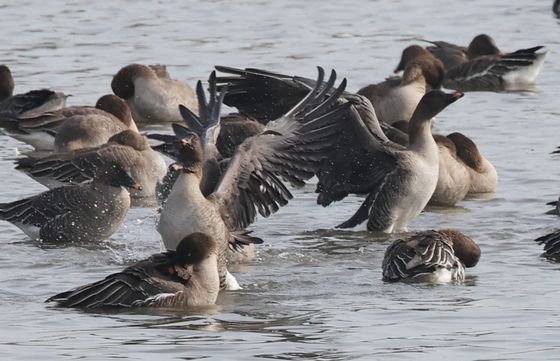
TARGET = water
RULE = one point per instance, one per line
(314, 292)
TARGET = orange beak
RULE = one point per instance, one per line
(457, 95)
(175, 167)
(136, 186)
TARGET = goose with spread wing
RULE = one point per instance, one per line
(128, 148)
(291, 147)
(399, 179)
(184, 278)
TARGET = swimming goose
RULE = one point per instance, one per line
(291, 147)
(430, 256)
(482, 66)
(89, 212)
(11, 105)
(454, 179)
(551, 243)
(129, 149)
(151, 94)
(396, 102)
(484, 177)
(73, 127)
(184, 278)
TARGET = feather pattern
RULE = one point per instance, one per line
(291, 147)
(491, 72)
(422, 255)
(185, 277)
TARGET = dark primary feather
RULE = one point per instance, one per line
(260, 94)
(209, 111)
(551, 243)
(80, 165)
(291, 147)
(263, 95)
(21, 103)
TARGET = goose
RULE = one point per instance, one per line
(454, 179)
(151, 94)
(291, 147)
(483, 175)
(399, 180)
(483, 66)
(184, 278)
(73, 127)
(430, 256)
(76, 213)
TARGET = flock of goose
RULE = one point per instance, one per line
(228, 169)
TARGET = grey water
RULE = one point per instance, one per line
(314, 292)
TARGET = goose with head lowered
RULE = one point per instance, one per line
(430, 256)
(73, 127)
(151, 94)
(183, 278)
(290, 147)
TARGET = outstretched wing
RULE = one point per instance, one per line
(291, 147)
(261, 94)
(365, 162)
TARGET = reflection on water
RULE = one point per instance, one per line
(314, 292)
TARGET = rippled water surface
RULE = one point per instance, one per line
(314, 292)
